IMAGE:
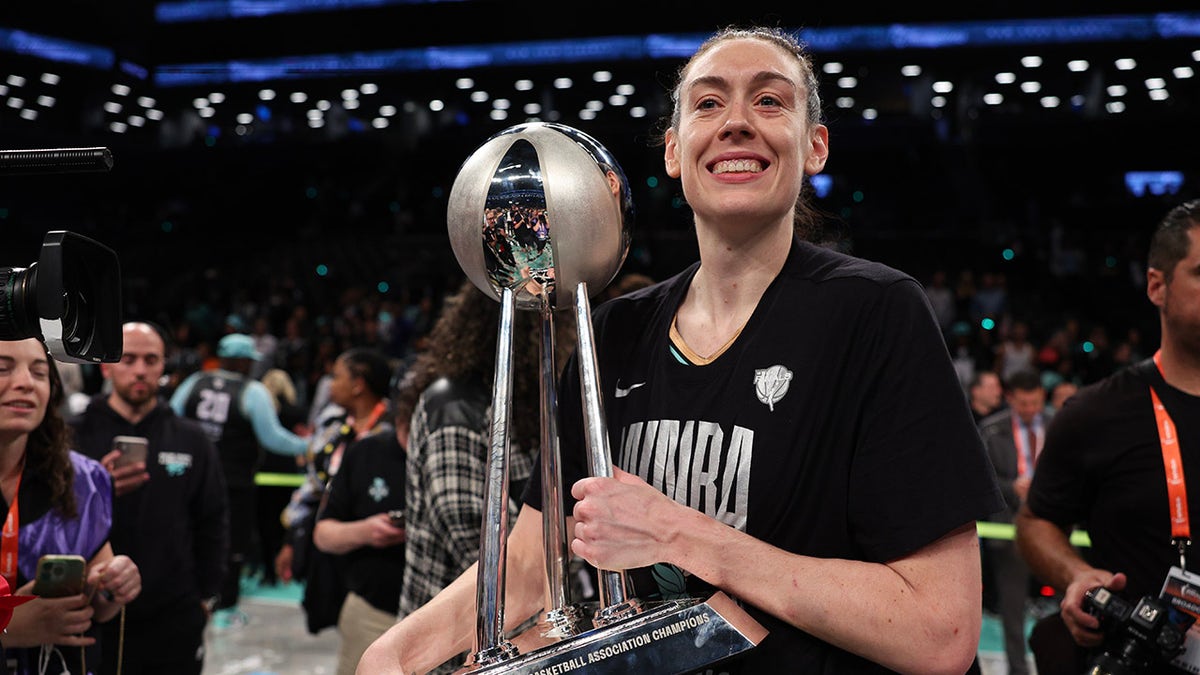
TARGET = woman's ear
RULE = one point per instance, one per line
(818, 151)
(670, 156)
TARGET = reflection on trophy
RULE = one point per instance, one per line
(539, 219)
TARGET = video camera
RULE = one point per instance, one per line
(1137, 637)
(71, 297)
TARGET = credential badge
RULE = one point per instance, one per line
(771, 384)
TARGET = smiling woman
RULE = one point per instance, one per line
(59, 502)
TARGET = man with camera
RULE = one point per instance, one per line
(171, 514)
(1118, 460)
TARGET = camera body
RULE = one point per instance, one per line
(70, 299)
(1137, 635)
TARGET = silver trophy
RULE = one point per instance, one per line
(539, 219)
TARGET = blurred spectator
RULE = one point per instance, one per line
(942, 299)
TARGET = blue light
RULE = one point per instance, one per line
(1008, 254)
(1141, 27)
(652, 182)
(1155, 182)
(322, 270)
(383, 287)
(262, 112)
(987, 323)
(55, 49)
(1088, 347)
(208, 10)
(822, 184)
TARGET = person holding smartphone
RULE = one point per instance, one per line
(59, 502)
(171, 510)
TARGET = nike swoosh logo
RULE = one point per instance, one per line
(622, 393)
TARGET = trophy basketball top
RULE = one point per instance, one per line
(539, 208)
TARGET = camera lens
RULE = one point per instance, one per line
(18, 304)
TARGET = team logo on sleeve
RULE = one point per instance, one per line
(771, 384)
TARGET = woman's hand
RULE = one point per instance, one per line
(59, 621)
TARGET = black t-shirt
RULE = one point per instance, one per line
(369, 481)
(834, 426)
(1102, 470)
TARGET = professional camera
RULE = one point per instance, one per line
(70, 299)
(1136, 636)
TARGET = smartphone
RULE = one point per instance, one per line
(397, 517)
(133, 449)
(60, 575)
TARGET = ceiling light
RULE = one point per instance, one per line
(1050, 102)
(1159, 95)
(938, 101)
(637, 111)
(833, 68)
(1115, 106)
(845, 102)
(1077, 65)
(587, 115)
(498, 115)
(50, 78)
(870, 113)
(387, 110)
(29, 114)
(112, 107)
(601, 76)
(245, 118)
(379, 122)
(350, 104)
(118, 127)
(464, 83)
(206, 112)
(268, 94)
(943, 86)
(1031, 61)
(146, 101)
(910, 71)
(369, 88)
(154, 114)
(1182, 72)
(617, 100)
(137, 121)
(501, 104)
(523, 85)
(323, 105)
(120, 89)
(1116, 90)
(16, 102)
(314, 114)
(1006, 78)
(1125, 64)
(218, 97)
(437, 105)
(298, 97)
(563, 83)
(479, 96)
(532, 108)
(45, 101)
(1031, 87)
(16, 80)
(993, 98)
(317, 123)
(198, 103)
(625, 89)
(1156, 83)
(349, 94)
(847, 82)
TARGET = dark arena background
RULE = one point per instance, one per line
(308, 147)
(284, 167)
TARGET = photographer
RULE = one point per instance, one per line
(1102, 467)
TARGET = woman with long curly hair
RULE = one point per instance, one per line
(446, 397)
(58, 502)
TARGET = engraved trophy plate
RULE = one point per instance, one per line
(539, 219)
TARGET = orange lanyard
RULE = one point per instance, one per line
(8, 539)
(1173, 465)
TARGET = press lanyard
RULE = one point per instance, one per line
(8, 539)
(1173, 464)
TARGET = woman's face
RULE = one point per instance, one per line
(24, 386)
(744, 143)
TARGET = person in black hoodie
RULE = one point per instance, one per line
(171, 513)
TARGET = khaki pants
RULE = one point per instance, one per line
(359, 625)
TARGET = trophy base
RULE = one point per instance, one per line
(677, 636)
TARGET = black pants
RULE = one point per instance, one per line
(242, 509)
(169, 643)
